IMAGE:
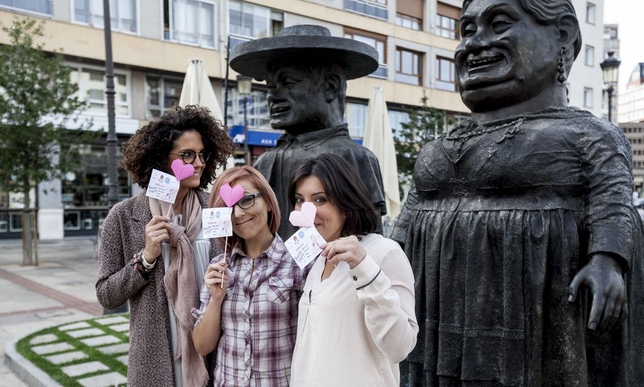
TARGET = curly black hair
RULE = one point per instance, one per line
(150, 146)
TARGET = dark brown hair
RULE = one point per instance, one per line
(233, 176)
(344, 189)
(151, 145)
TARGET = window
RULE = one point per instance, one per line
(589, 58)
(447, 20)
(91, 88)
(37, 6)
(374, 40)
(408, 65)
(590, 13)
(122, 12)
(588, 97)
(256, 111)
(397, 118)
(162, 93)
(356, 118)
(192, 22)
(249, 21)
(409, 14)
(374, 8)
(445, 74)
(87, 187)
(408, 21)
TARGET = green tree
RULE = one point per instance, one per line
(424, 125)
(38, 105)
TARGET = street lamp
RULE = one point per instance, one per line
(244, 84)
(609, 68)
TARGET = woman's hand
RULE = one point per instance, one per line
(347, 249)
(157, 231)
(603, 275)
(216, 279)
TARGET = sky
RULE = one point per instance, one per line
(629, 15)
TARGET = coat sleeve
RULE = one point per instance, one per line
(387, 292)
(117, 280)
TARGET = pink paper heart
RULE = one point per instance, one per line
(229, 195)
(181, 170)
(305, 217)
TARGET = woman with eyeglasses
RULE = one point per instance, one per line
(249, 299)
(131, 245)
(356, 317)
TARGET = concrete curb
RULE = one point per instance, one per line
(24, 369)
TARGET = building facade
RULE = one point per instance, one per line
(153, 40)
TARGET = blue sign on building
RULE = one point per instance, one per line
(255, 137)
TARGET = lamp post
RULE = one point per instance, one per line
(609, 69)
(244, 84)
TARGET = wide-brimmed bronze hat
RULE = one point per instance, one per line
(303, 43)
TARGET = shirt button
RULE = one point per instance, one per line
(355, 278)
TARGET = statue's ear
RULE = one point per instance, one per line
(568, 30)
(332, 86)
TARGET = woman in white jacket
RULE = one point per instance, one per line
(356, 317)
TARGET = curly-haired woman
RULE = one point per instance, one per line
(131, 245)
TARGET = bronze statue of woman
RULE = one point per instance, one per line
(520, 226)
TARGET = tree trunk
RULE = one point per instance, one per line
(29, 239)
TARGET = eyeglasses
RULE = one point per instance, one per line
(248, 201)
(189, 156)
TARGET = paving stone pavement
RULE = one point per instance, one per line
(52, 309)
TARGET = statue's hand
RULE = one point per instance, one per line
(603, 275)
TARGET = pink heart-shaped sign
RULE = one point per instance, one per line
(304, 217)
(229, 195)
(181, 170)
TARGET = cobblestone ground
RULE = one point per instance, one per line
(89, 353)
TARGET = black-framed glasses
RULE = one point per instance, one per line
(189, 156)
(248, 201)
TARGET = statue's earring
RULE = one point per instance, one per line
(561, 69)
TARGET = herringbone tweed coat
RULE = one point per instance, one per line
(123, 235)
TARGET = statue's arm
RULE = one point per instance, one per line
(399, 232)
(609, 223)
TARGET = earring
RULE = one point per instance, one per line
(561, 69)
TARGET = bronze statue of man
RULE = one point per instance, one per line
(520, 226)
(306, 70)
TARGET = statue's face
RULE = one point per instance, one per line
(296, 100)
(505, 55)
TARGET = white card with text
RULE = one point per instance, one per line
(216, 222)
(163, 186)
(304, 245)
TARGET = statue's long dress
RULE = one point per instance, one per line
(501, 219)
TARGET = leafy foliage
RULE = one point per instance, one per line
(425, 124)
(38, 104)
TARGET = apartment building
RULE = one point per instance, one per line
(154, 39)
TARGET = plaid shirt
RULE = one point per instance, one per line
(258, 318)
